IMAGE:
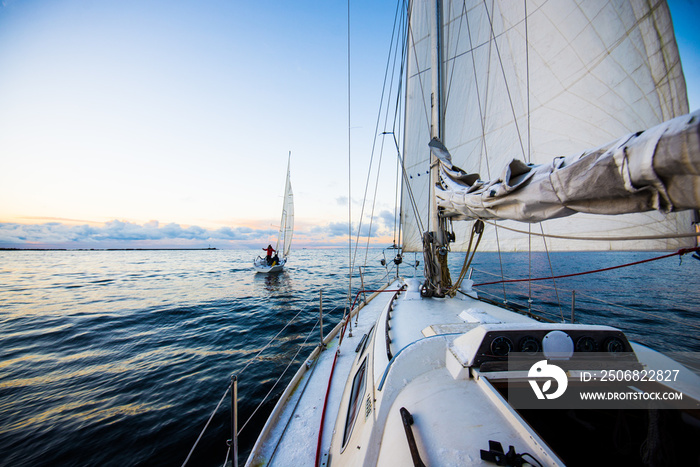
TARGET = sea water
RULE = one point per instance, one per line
(120, 357)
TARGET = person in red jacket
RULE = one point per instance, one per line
(269, 250)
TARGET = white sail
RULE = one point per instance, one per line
(284, 236)
(518, 86)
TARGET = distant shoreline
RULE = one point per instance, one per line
(106, 249)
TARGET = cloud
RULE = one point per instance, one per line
(388, 218)
(153, 234)
(340, 229)
(117, 233)
(336, 229)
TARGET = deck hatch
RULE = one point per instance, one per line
(358, 389)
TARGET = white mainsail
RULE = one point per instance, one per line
(284, 236)
(536, 81)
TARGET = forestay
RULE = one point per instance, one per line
(536, 81)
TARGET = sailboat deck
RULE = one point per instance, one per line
(454, 418)
(421, 318)
(453, 421)
(290, 438)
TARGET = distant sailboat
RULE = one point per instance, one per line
(284, 236)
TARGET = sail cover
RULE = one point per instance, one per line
(284, 237)
(658, 169)
(535, 81)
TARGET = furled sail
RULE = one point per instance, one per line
(658, 169)
(284, 237)
(534, 81)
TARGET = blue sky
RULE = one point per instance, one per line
(133, 116)
(168, 123)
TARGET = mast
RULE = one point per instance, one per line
(434, 241)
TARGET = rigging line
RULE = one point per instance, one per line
(374, 203)
(482, 108)
(680, 252)
(271, 340)
(278, 379)
(454, 61)
(467, 263)
(228, 452)
(397, 208)
(614, 305)
(527, 86)
(394, 35)
(488, 273)
(401, 44)
(551, 269)
(411, 196)
(605, 239)
(402, 66)
(229, 387)
(519, 308)
(398, 203)
(350, 263)
(505, 80)
(506, 29)
(409, 188)
(418, 73)
(381, 151)
(527, 94)
(500, 262)
(590, 297)
(638, 311)
(483, 133)
(529, 264)
(207, 425)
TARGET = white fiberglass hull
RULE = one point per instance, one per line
(260, 265)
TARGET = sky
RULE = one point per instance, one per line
(142, 124)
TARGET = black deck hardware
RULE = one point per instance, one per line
(389, 354)
(496, 455)
(407, 420)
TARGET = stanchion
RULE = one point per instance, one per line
(320, 310)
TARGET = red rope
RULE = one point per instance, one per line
(323, 413)
(681, 252)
